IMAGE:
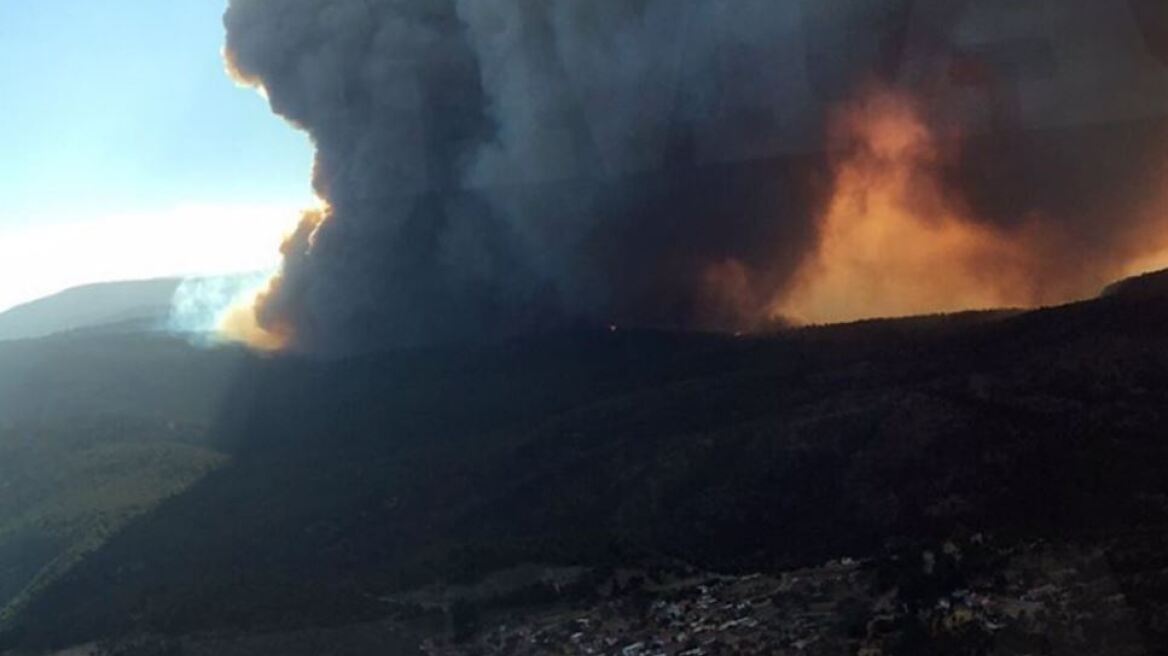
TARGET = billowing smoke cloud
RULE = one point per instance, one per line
(492, 167)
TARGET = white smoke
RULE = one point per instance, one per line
(200, 305)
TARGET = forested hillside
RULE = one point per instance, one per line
(94, 431)
(350, 483)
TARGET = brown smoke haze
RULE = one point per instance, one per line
(496, 168)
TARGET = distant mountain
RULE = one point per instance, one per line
(141, 302)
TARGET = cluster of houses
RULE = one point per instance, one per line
(1036, 600)
(706, 615)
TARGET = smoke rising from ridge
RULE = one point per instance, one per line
(491, 168)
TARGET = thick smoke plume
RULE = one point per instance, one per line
(492, 167)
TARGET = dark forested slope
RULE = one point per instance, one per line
(95, 429)
(351, 480)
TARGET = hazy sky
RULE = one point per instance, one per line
(126, 152)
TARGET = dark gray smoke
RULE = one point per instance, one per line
(498, 166)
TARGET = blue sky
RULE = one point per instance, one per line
(117, 116)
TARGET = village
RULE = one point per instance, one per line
(1041, 601)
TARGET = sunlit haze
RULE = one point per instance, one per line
(129, 153)
(185, 240)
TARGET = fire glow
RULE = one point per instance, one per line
(498, 169)
(894, 242)
(891, 243)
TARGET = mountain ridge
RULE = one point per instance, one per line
(93, 305)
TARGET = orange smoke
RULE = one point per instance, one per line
(893, 243)
(245, 322)
(240, 324)
(1148, 239)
